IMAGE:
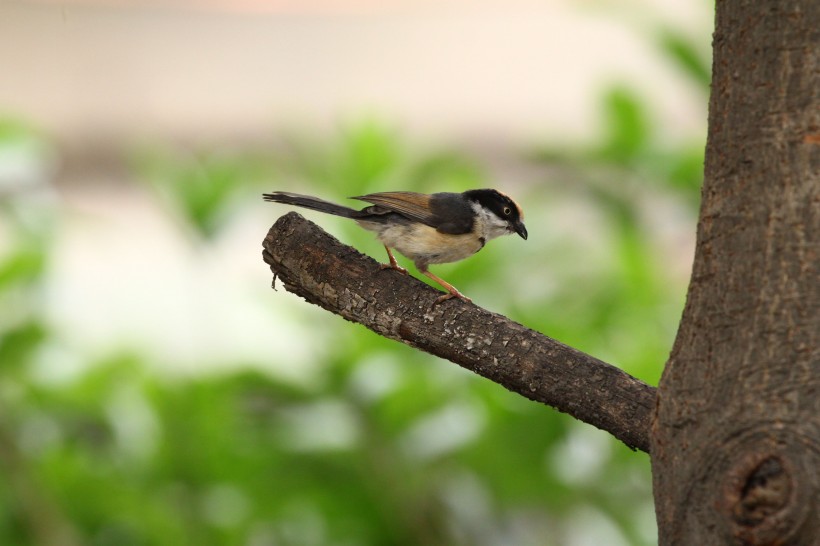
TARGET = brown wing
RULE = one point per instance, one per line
(408, 203)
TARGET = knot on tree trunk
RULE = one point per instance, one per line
(763, 481)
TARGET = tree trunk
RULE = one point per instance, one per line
(736, 436)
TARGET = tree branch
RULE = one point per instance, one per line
(317, 267)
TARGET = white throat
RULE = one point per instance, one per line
(488, 225)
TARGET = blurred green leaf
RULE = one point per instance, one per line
(445, 170)
(626, 126)
(686, 171)
(429, 454)
(684, 52)
(199, 187)
(368, 153)
(18, 344)
(361, 158)
(13, 130)
(23, 265)
(203, 187)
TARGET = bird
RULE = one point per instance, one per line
(428, 229)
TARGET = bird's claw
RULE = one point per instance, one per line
(450, 295)
(396, 267)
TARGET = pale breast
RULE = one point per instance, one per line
(424, 245)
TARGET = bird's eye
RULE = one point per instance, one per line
(507, 211)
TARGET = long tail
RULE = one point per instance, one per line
(309, 202)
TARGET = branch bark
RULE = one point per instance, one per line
(336, 277)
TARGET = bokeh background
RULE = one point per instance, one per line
(155, 391)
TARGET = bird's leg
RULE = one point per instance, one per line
(393, 263)
(451, 290)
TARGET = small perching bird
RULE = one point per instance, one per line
(427, 228)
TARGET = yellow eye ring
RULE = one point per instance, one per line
(507, 211)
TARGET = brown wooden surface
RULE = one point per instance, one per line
(317, 267)
(736, 443)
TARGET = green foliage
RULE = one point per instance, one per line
(14, 130)
(388, 445)
(204, 188)
(445, 169)
(627, 127)
(371, 156)
(630, 152)
(385, 445)
(22, 265)
(368, 153)
(684, 52)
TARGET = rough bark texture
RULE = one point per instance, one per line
(736, 439)
(317, 267)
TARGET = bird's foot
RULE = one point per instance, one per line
(452, 294)
(395, 266)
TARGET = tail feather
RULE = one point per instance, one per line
(308, 202)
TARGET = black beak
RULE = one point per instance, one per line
(521, 230)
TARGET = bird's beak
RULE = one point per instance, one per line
(521, 230)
